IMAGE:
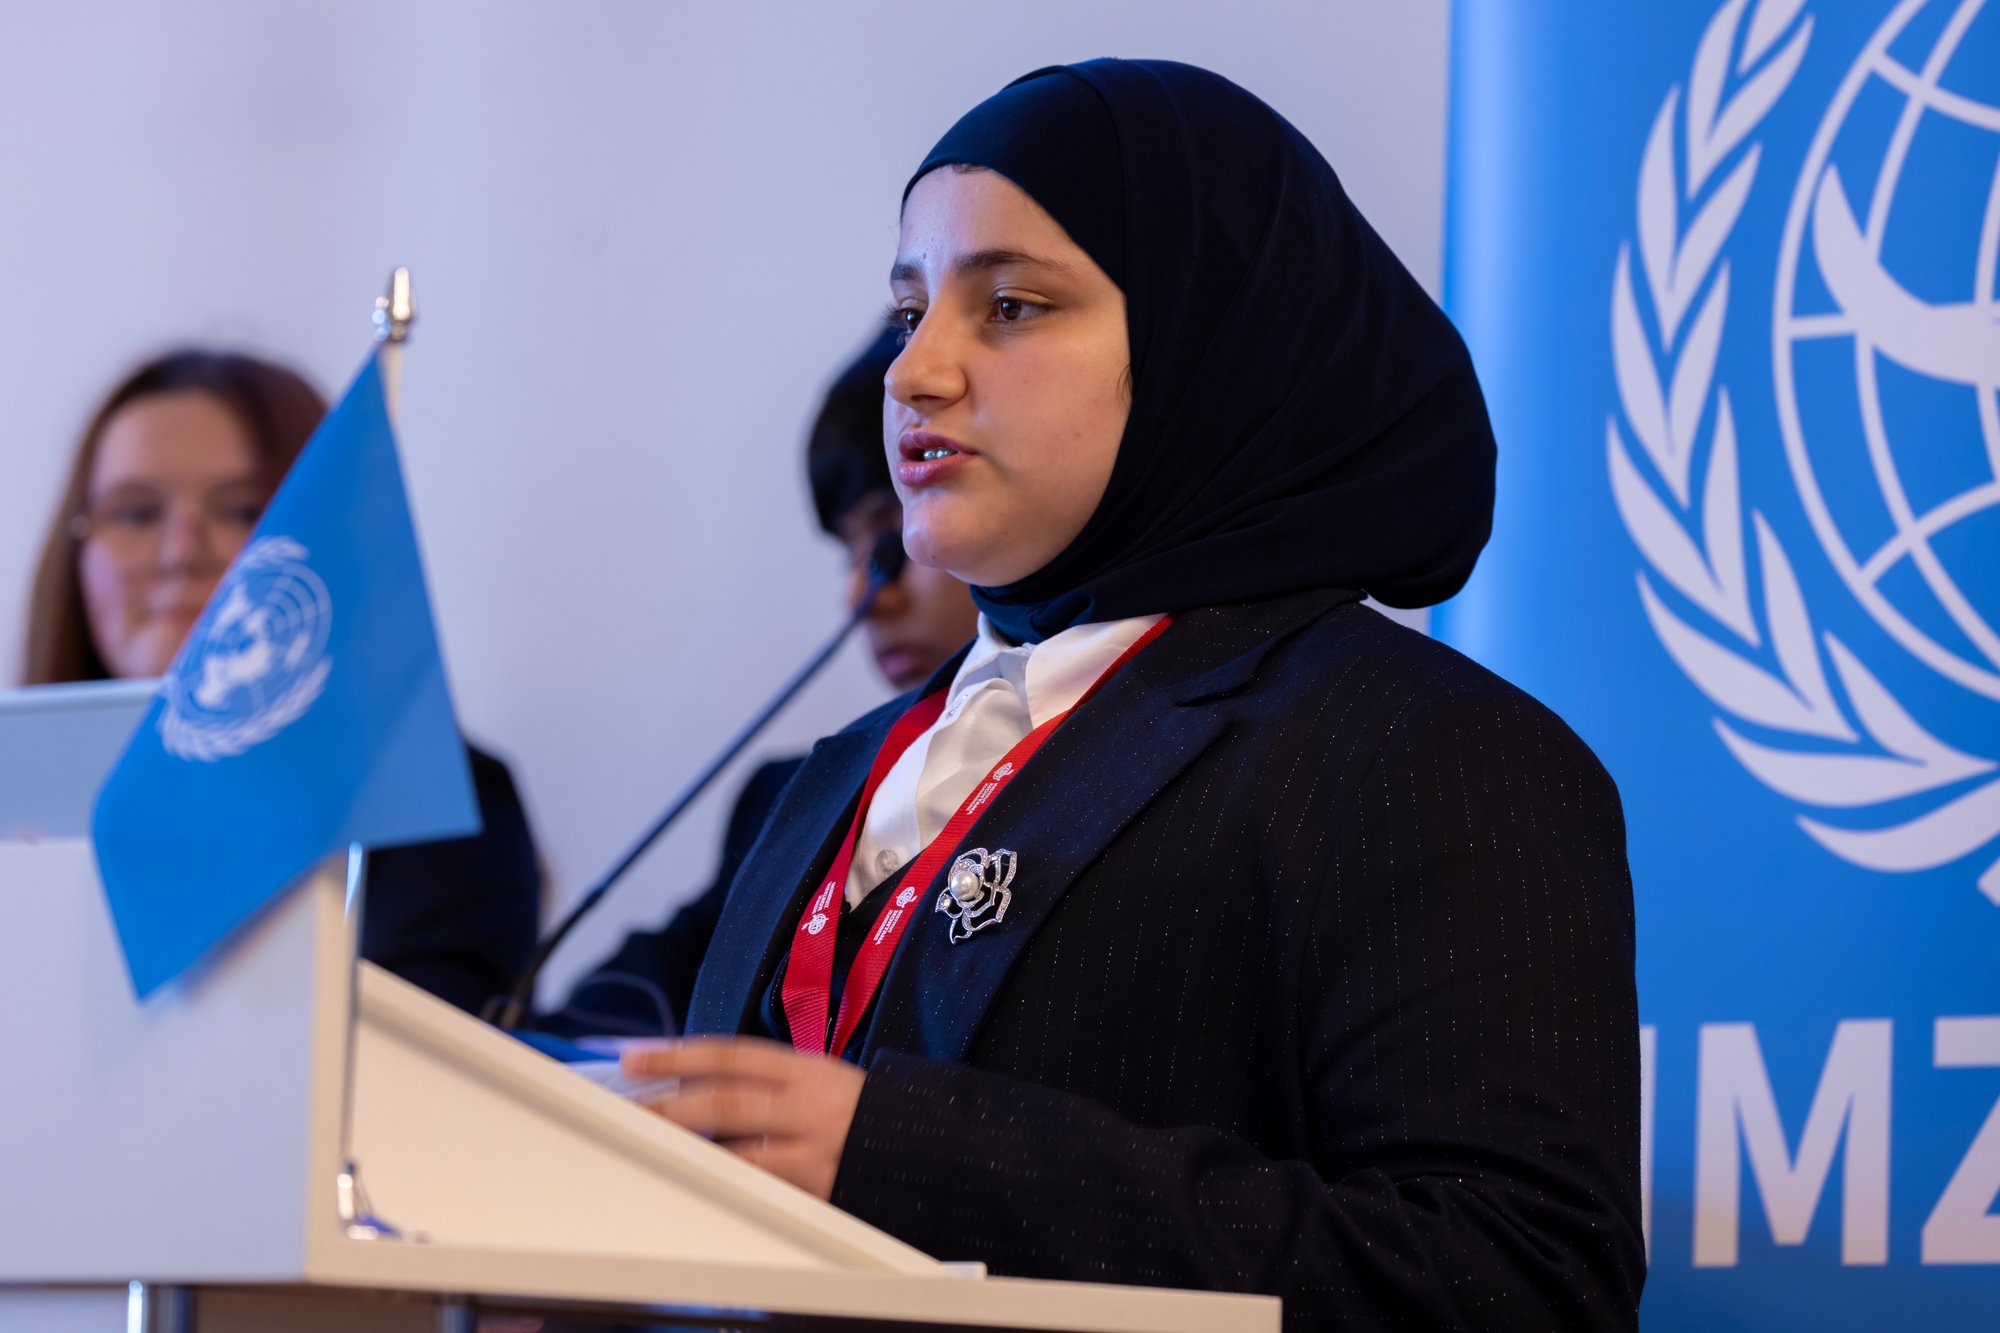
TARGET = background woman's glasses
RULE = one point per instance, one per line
(131, 528)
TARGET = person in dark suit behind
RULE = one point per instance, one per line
(916, 623)
(164, 488)
(1236, 936)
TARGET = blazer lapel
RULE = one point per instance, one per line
(800, 837)
(798, 842)
(1099, 771)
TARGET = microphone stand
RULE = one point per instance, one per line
(885, 566)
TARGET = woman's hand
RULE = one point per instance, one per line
(771, 1106)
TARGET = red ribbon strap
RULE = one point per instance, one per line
(808, 988)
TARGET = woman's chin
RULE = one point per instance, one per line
(936, 546)
(152, 650)
(982, 559)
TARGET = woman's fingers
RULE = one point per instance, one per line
(760, 1124)
(785, 1112)
(730, 1108)
(795, 1161)
(702, 1057)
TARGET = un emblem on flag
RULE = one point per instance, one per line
(1884, 401)
(256, 660)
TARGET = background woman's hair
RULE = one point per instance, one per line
(277, 408)
(845, 458)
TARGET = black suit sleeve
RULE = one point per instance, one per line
(459, 917)
(624, 994)
(1466, 1056)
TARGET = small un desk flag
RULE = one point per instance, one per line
(307, 710)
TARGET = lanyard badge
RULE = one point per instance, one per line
(976, 894)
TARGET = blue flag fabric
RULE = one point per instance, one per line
(307, 710)
(1730, 272)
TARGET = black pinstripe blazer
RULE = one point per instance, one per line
(1317, 981)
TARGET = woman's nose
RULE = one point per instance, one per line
(187, 540)
(926, 373)
(887, 601)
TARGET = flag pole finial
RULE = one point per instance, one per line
(395, 309)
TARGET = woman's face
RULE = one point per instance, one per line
(173, 494)
(1005, 409)
(919, 620)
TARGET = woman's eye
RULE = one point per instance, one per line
(130, 516)
(1014, 309)
(904, 319)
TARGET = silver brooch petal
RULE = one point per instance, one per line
(977, 892)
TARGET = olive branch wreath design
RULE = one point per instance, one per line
(1692, 537)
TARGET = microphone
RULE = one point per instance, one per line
(885, 566)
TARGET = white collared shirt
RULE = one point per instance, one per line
(918, 797)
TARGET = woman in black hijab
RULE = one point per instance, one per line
(1299, 957)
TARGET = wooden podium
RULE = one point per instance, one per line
(178, 1164)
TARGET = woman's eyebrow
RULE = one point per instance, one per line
(980, 261)
(130, 488)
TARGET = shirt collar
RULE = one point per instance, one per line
(1056, 671)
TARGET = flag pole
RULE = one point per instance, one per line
(395, 312)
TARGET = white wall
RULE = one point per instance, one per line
(643, 234)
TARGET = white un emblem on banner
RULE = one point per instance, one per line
(257, 659)
(1866, 360)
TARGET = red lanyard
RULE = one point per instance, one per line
(808, 988)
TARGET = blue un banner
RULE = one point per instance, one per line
(307, 710)
(1730, 270)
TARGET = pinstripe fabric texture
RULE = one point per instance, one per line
(1319, 983)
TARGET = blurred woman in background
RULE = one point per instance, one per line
(917, 623)
(166, 484)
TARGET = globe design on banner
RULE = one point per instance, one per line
(1885, 380)
(1923, 562)
(256, 660)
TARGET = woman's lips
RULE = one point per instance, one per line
(183, 613)
(904, 666)
(927, 459)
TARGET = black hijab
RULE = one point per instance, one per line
(1303, 415)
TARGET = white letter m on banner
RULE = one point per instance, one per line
(1734, 1091)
